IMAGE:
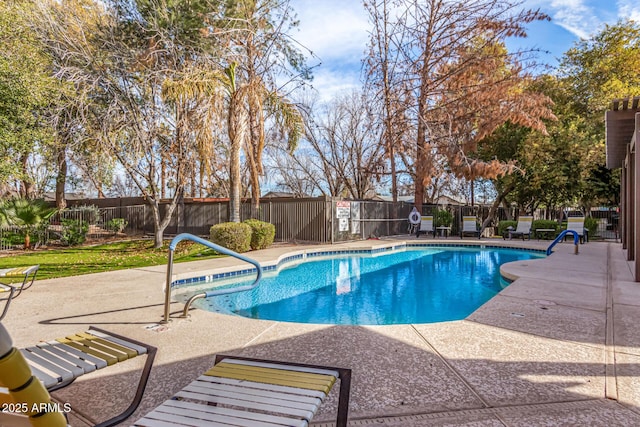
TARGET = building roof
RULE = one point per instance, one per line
(620, 126)
(275, 194)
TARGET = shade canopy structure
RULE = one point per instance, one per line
(622, 126)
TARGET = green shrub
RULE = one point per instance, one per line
(502, 227)
(117, 225)
(74, 231)
(262, 233)
(10, 238)
(443, 218)
(232, 235)
(545, 223)
(591, 224)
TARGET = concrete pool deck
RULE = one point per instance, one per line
(559, 347)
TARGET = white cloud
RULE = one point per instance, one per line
(574, 16)
(629, 9)
(580, 17)
(336, 32)
(332, 28)
(329, 83)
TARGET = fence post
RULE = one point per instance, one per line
(331, 219)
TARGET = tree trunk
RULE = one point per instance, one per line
(193, 182)
(236, 137)
(159, 225)
(61, 178)
(163, 176)
(254, 149)
(424, 160)
(254, 172)
(26, 186)
(495, 205)
(422, 167)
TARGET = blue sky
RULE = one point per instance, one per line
(336, 32)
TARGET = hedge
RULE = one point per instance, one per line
(262, 233)
(232, 235)
(545, 223)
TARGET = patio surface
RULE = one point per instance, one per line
(558, 347)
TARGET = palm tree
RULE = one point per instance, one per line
(214, 88)
(237, 126)
(287, 118)
(246, 106)
(26, 214)
(260, 51)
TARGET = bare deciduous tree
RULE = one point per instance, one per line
(440, 45)
(344, 137)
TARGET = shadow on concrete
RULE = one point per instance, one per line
(395, 372)
(94, 318)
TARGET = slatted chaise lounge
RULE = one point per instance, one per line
(426, 226)
(24, 272)
(576, 223)
(469, 226)
(523, 228)
(250, 392)
(29, 374)
(9, 291)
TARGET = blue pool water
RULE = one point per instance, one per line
(412, 286)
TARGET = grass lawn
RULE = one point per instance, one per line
(73, 261)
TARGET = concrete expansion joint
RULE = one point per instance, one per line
(450, 367)
(611, 376)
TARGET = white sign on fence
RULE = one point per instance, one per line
(355, 217)
(343, 209)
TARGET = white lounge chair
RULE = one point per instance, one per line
(28, 375)
(243, 391)
(28, 275)
(426, 225)
(523, 228)
(9, 291)
(576, 223)
(469, 226)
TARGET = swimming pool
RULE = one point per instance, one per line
(421, 285)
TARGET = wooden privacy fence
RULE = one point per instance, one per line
(294, 219)
(300, 219)
(306, 219)
(317, 219)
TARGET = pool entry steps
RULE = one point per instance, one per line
(217, 248)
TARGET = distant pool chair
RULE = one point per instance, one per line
(29, 374)
(576, 223)
(245, 391)
(469, 226)
(27, 273)
(426, 226)
(9, 291)
(523, 228)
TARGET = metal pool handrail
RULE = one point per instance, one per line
(576, 239)
(217, 248)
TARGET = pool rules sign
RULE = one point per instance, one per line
(343, 213)
(348, 214)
